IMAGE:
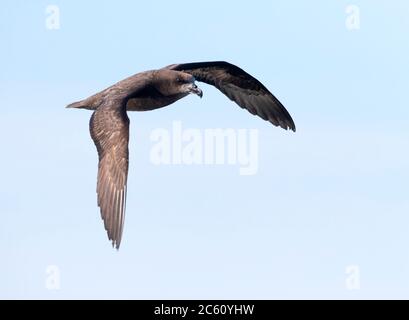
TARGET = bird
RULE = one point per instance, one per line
(154, 89)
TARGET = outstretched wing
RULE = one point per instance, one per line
(109, 128)
(242, 88)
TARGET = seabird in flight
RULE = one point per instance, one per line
(109, 124)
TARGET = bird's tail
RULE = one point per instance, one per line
(79, 105)
(89, 103)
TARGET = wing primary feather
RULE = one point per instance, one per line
(109, 127)
(242, 88)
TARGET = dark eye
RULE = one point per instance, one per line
(179, 80)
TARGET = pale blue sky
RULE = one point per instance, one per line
(333, 194)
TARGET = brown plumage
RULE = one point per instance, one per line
(242, 88)
(109, 124)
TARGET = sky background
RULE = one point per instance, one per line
(332, 195)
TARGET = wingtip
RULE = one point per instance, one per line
(293, 129)
(289, 125)
(115, 244)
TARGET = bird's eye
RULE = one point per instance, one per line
(180, 80)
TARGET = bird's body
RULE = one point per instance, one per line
(149, 90)
(141, 92)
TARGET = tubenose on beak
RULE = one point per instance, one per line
(193, 88)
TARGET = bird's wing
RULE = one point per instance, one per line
(109, 128)
(242, 88)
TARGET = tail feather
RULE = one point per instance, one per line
(79, 104)
(89, 103)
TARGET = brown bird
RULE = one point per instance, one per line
(109, 124)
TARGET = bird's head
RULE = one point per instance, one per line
(171, 83)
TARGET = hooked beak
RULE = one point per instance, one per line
(196, 90)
